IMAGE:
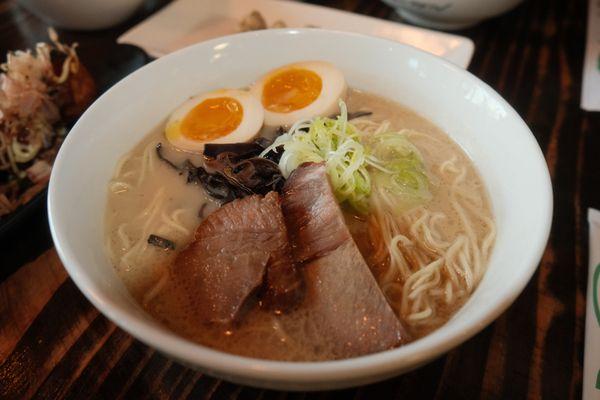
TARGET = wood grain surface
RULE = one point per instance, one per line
(54, 344)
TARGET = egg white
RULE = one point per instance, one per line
(252, 120)
(333, 88)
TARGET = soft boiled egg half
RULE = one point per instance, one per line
(222, 116)
(299, 91)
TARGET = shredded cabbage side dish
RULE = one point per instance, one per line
(40, 92)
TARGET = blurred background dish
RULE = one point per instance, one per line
(185, 22)
(82, 14)
(450, 14)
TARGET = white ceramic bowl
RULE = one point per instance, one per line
(475, 116)
(450, 14)
(82, 14)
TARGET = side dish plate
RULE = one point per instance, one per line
(185, 22)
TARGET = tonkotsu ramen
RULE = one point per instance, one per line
(298, 219)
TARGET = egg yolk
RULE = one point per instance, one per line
(290, 90)
(212, 119)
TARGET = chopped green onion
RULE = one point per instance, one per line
(356, 161)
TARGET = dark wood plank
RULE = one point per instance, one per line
(71, 365)
(36, 282)
(95, 373)
(58, 325)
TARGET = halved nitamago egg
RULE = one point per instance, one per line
(222, 116)
(299, 91)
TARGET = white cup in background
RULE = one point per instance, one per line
(450, 14)
(82, 14)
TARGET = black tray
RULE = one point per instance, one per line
(12, 220)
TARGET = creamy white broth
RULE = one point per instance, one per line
(146, 196)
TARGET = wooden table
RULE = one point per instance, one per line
(54, 344)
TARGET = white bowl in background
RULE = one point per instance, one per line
(450, 14)
(82, 14)
(475, 116)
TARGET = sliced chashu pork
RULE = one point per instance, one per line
(342, 297)
(235, 249)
